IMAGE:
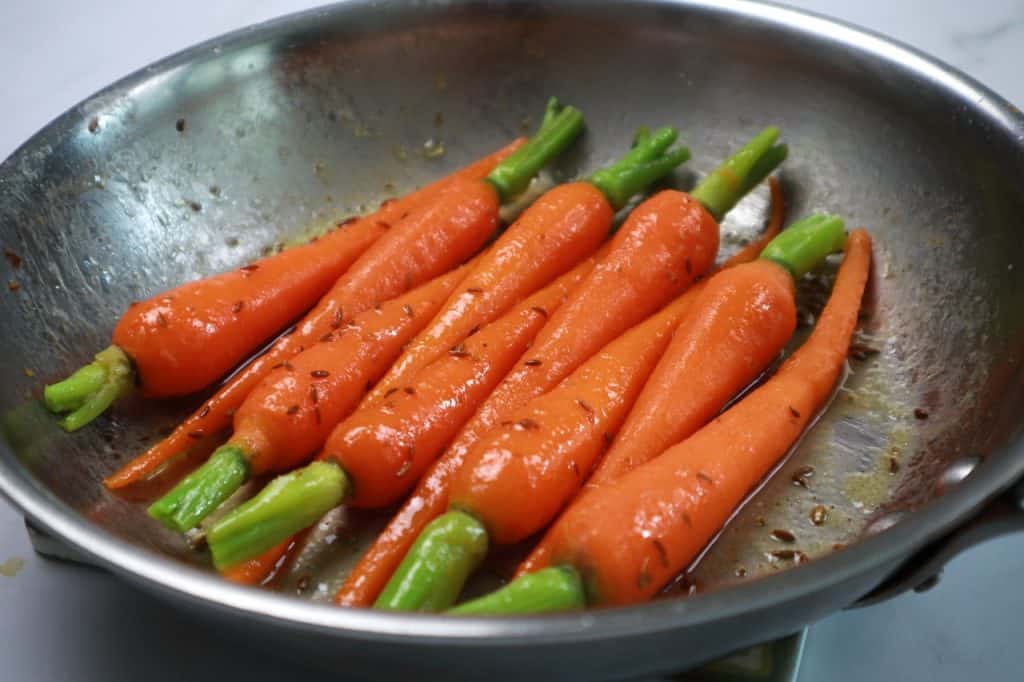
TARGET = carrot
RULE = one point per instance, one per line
(386, 446)
(665, 243)
(544, 451)
(554, 233)
(228, 315)
(258, 570)
(627, 539)
(561, 227)
(741, 319)
(424, 244)
(287, 417)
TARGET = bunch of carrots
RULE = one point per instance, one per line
(552, 377)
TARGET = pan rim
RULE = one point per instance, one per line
(161, 574)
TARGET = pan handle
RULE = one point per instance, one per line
(921, 571)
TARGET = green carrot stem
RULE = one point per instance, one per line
(561, 125)
(804, 245)
(203, 490)
(648, 160)
(727, 184)
(432, 574)
(88, 392)
(285, 506)
(556, 588)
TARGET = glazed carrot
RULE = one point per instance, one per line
(289, 414)
(229, 315)
(544, 451)
(627, 539)
(406, 431)
(741, 320)
(424, 244)
(257, 570)
(664, 244)
(561, 227)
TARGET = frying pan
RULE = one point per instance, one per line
(204, 160)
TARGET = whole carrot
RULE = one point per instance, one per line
(665, 243)
(627, 539)
(544, 452)
(228, 315)
(427, 242)
(741, 320)
(376, 471)
(288, 416)
(552, 235)
(560, 228)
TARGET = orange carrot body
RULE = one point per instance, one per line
(740, 320)
(256, 570)
(544, 451)
(385, 447)
(288, 416)
(231, 314)
(665, 243)
(559, 229)
(445, 232)
(631, 536)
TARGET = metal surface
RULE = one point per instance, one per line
(202, 161)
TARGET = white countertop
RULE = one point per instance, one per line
(63, 622)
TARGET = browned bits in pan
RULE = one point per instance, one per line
(783, 535)
(94, 125)
(740, 572)
(862, 351)
(458, 351)
(179, 125)
(13, 258)
(819, 515)
(347, 221)
(920, 413)
(802, 475)
(794, 555)
(252, 267)
(894, 465)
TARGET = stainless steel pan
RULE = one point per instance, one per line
(202, 161)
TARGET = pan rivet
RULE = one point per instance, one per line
(927, 584)
(956, 472)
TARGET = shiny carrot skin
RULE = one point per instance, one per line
(441, 398)
(665, 243)
(544, 451)
(256, 571)
(559, 229)
(288, 416)
(385, 447)
(632, 536)
(231, 314)
(427, 242)
(741, 320)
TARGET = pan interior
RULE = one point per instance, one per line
(216, 157)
